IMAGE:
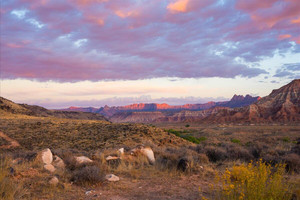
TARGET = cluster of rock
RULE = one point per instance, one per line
(53, 162)
(133, 153)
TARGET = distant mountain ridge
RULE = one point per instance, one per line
(281, 106)
(236, 101)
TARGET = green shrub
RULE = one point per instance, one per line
(177, 133)
(286, 139)
(237, 141)
(187, 137)
(191, 139)
(187, 125)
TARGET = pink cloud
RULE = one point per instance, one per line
(13, 45)
(273, 14)
(285, 36)
(125, 39)
(178, 6)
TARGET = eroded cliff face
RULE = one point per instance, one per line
(282, 105)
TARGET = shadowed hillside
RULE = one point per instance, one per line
(9, 107)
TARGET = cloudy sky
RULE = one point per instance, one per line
(60, 53)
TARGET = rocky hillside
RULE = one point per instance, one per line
(282, 105)
(9, 107)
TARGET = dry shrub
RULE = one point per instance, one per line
(292, 162)
(25, 155)
(87, 175)
(296, 149)
(238, 152)
(216, 154)
(272, 159)
(9, 189)
(166, 161)
(203, 159)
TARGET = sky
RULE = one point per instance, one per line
(61, 53)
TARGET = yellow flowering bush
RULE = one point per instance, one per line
(255, 181)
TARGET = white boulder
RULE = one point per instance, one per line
(146, 151)
(82, 160)
(112, 178)
(47, 156)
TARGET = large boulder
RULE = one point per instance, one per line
(112, 178)
(46, 156)
(146, 151)
(83, 160)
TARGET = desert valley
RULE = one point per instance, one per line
(150, 100)
(154, 151)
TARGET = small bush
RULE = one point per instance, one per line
(237, 141)
(187, 125)
(254, 181)
(237, 152)
(187, 137)
(296, 149)
(191, 139)
(292, 162)
(87, 175)
(256, 151)
(177, 133)
(216, 154)
(286, 139)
